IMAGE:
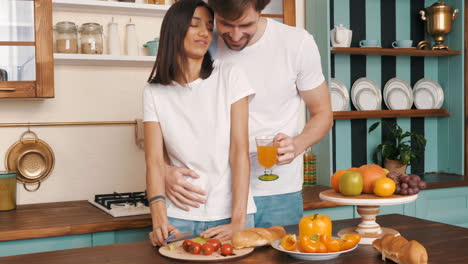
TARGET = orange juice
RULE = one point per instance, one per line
(267, 155)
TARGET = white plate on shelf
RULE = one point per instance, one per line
(309, 256)
(424, 99)
(398, 94)
(339, 95)
(365, 95)
(428, 93)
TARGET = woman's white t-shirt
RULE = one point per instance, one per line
(195, 120)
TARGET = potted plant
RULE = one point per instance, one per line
(398, 153)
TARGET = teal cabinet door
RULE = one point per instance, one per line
(449, 205)
(17, 247)
(121, 236)
(132, 235)
(335, 213)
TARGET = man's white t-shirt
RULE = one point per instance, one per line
(284, 60)
(195, 121)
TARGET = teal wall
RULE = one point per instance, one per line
(445, 136)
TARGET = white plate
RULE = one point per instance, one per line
(367, 99)
(309, 256)
(339, 95)
(432, 87)
(398, 94)
(365, 94)
(424, 99)
(398, 99)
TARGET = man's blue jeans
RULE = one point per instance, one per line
(282, 209)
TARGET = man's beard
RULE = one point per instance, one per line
(225, 38)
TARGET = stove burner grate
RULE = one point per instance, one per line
(120, 199)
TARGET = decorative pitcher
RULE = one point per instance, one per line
(439, 19)
(341, 36)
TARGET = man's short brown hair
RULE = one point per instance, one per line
(233, 9)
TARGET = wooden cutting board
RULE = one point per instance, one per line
(180, 254)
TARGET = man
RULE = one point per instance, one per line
(283, 66)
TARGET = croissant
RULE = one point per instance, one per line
(400, 250)
(255, 237)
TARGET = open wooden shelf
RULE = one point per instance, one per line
(344, 115)
(103, 60)
(105, 7)
(395, 52)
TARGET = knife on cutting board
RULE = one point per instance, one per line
(176, 237)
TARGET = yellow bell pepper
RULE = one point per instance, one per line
(316, 224)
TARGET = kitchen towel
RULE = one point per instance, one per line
(139, 134)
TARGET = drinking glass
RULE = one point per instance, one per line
(267, 156)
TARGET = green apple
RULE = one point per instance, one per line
(351, 183)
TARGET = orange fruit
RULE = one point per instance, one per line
(384, 187)
(335, 180)
(370, 173)
(289, 242)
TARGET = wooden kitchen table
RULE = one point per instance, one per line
(445, 244)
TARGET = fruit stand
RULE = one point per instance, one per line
(368, 207)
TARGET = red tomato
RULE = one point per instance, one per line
(186, 245)
(195, 248)
(226, 249)
(215, 242)
(207, 249)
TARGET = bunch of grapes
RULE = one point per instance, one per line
(407, 184)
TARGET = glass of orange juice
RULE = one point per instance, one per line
(267, 156)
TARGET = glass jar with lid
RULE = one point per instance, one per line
(66, 37)
(91, 38)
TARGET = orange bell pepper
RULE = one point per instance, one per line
(349, 241)
(309, 244)
(316, 224)
(289, 242)
(332, 244)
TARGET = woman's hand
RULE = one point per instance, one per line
(222, 232)
(161, 232)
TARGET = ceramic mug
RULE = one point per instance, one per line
(402, 44)
(152, 46)
(369, 43)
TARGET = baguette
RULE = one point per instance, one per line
(400, 250)
(256, 237)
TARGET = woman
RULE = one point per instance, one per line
(196, 111)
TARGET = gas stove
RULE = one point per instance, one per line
(122, 204)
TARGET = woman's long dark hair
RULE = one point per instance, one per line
(172, 58)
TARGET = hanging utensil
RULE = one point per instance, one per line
(32, 158)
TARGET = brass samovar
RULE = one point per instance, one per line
(439, 19)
